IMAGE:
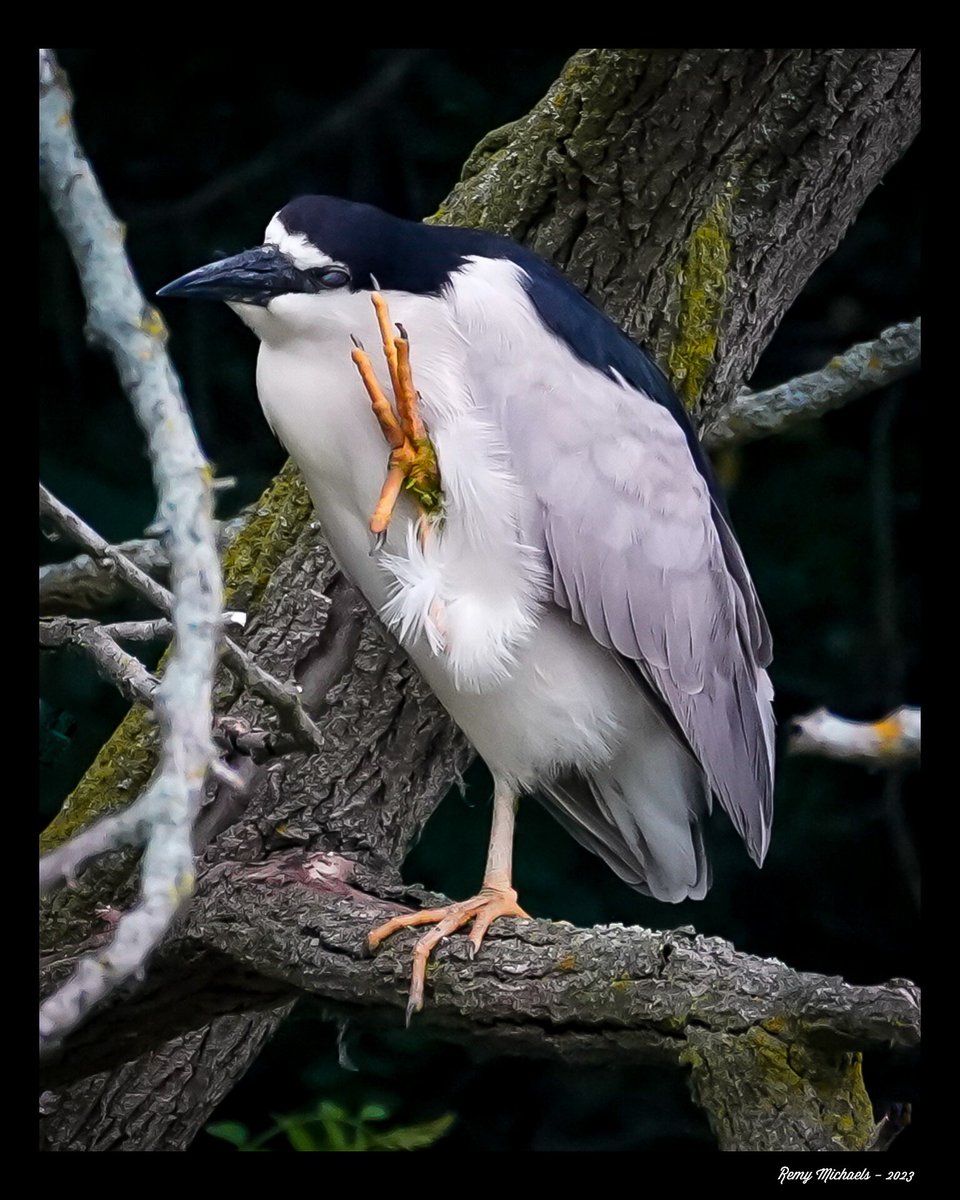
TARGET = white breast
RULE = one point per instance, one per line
(469, 597)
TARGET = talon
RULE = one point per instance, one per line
(483, 909)
(378, 543)
(412, 464)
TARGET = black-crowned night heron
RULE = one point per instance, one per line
(549, 543)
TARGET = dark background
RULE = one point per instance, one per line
(195, 155)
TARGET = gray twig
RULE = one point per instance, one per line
(85, 584)
(109, 557)
(132, 331)
(282, 696)
(862, 369)
(114, 664)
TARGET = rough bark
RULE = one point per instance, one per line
(775, 1053)
(161, 1100)
(692, 193)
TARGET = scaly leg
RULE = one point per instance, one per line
(412, 463)
(495, 899)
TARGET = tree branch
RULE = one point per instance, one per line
(168, 1076)
(113, 664)
(689, 210)
(282, 697)
(85, 584)
(119, 319)
(862, 369)
(609, 985)
(774, 1053)
(890, 742)
(157, 630)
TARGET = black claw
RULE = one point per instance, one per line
(356, 341)
(403, 332)
(378, 542)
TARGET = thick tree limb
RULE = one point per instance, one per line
(609, 985)
(177, 1101)
(890, 742)
(784, 1043)
(862, 369)
(119, 319)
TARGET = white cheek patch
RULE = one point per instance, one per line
(302, 252)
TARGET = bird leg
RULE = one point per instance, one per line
(412, 464)
(495, 899)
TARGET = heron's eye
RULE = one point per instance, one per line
(333, 277)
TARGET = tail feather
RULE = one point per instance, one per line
(642, 813)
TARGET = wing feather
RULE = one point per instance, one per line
(639, 548)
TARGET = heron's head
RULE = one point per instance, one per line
(319, 257)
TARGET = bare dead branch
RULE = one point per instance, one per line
(890, 742)
(130, 676)
(283, 697)
(87, 585)
(107, 556)
(862, 369)
(132, 331)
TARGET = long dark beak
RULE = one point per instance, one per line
(253, 277)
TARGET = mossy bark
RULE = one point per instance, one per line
(691, 193)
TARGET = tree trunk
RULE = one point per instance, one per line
(692, 194)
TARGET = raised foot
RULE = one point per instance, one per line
(483, 909)
(412, 464)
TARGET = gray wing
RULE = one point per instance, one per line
(642, 558)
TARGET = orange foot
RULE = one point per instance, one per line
(412, 463)
(483, 909)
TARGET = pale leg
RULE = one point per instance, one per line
(496, 898)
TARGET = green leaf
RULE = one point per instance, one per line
(300, 1137)
(328, 1111)
(230, 1131)
(412, 1137)
(374, 1112)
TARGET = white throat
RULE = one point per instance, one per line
(466, 601)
